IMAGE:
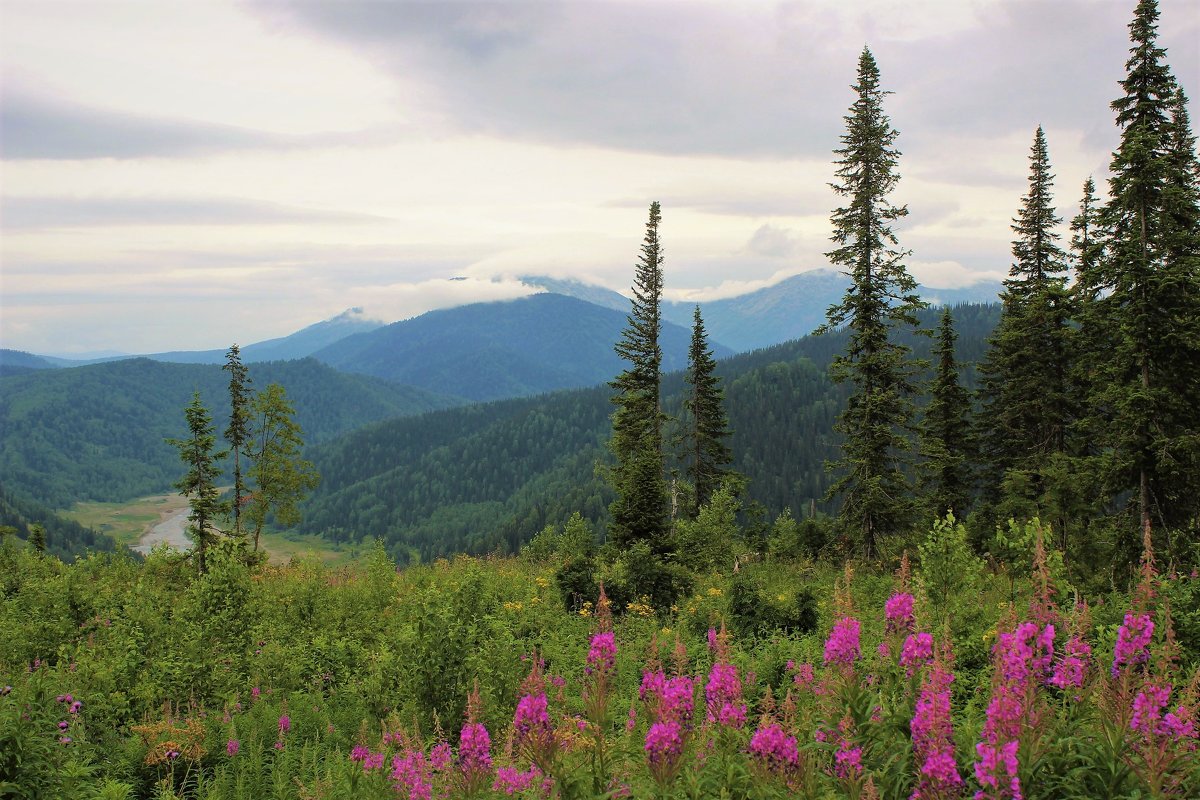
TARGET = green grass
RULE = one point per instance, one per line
(127, 522)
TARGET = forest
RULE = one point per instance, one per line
(924, 553)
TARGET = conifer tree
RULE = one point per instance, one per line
(640, 510)
(238, 431)
(947, 441)
(708, 453)
(37, 538)
(281, 477)
(1147, 389)
(882, 298)
(199, 485)
(1026, 404)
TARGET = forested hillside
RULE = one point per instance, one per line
(98, 432)
(488, 477)
(489, 351)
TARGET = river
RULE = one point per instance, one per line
(171, 529)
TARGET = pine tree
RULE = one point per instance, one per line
(709, 454)
(1026, 405)
(282, 479)
(1147, 388)
(947, 440)
(238, 431)
(199, 485)
(882, 298)
(640, 510)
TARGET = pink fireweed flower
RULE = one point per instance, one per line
(512, 781)
(360, 752)
(664, 746)
(1148, 710)
(842, 646)
(847, 761)
(440, 756)
(916, 652)
(1069, 672)
(774, 749)
(1180, 725)
(933, 739)
(712, 639)
(723, 696)
(996, 771)
(255, 692)
(232, 747)
(898, 610)
(410, 773)
(474, 751)
(1133, 642)
(804, 676)
(532, 719)
(602, 657)
(373, 761)
(285, 724)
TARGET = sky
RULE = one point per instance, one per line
(194, 173)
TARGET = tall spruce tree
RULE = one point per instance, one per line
(709, 456)
(640, 510)
(199, 485)
(947, 440)
(238, 432)
(875, 493)
(1146, 398)
(1026, 403)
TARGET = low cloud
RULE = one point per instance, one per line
(70, 212)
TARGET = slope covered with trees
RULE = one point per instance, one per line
(98, 432)
(489, 476)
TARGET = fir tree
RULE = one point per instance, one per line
(882, 297)
(947, 441)
(1025, 399)
(708, 453)
(282, 479)
(640, 510)
(199, 485)
(238, 431)
(37, 538)
(1147, 387)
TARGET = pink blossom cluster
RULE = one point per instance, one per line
(723, 696)
(774, 749)
(511, 780)
(669, 698)
(994, 765)
(1069, 672)
(474, 751)
(933, 739)
(916, 652)
(1133, 642)
(532, 719)
(847, 761)
(1148, 707)
(602, 656)
(412, 775)
(898, 611)
(842, 646)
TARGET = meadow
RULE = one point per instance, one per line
(473, 678)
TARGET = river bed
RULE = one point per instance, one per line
(170, 529)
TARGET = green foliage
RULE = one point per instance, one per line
(947, 444)
(753, 612)
(238, 432)
(281, 478)
(948, 570)
(712, 540)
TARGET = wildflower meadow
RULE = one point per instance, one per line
(473, 678)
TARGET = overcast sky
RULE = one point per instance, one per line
(183, 175)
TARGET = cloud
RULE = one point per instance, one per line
(756, 80)
(70, 212)
(43, 128)
(772, 242)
